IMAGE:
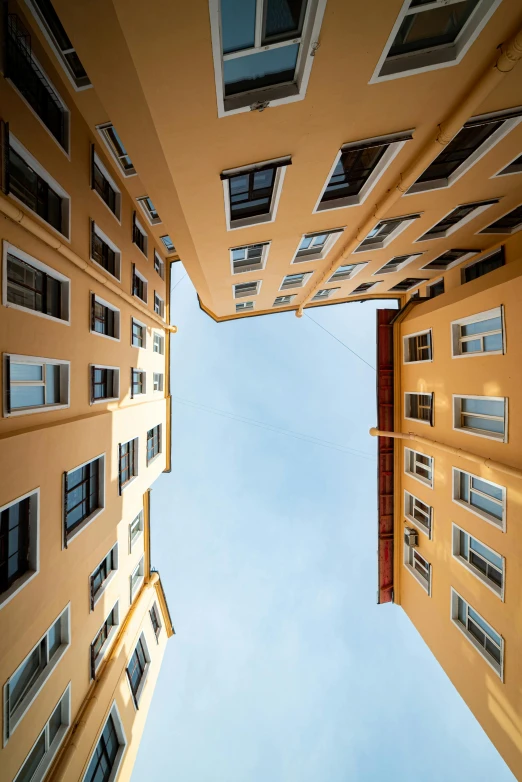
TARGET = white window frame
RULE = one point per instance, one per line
(29, 259)
(499, 669)
(158, 336)
(456, 339)
(136, 698)
(399, 267)
(420, 393)
(278, 94)
(291, 297)
(469, 254)
(139, 571)
(413, 552)
(120, 733)
(146, 284)
(99, 163)
(116, 384)
(117, 318)
(270, 216)
(143, 385)
(33, 691)
(305, 275)
(415, 475)
(34, 545)
(498, 591)
(109, 640)
(142, 201)
(488, 229)
(136, 448)
(161, 302)
(154, 607)
(357, 267)
(257, 283)
(372, 287)
(418, 281)
(456, 407)
(407, 353)
(145, 235)
(161, 264)
(65, 384)
(426, 530)
(332, 236)
(327, 294)
(145, 336)
(101, 130)
(101, 499)
(481, 207)
(394, 142)
(117, 252)
(65, 706)
(406, 221)
(432, 59)
(58, 189)
(262, 262)
(133, 541)
(244, 309)
(482, 514)
(170, 250)
(105, 584)
(158, 378)
(504, 170)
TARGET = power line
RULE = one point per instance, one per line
(340, 342)
(276, 429)
(178, 282)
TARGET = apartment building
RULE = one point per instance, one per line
(449, 486)
(85, 420)
(314, 152)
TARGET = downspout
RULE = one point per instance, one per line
(510, 54)
(18, 216)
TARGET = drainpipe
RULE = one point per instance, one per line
(514, 472)
(510, 54)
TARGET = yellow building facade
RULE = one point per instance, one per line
(84, 427)
(450, 486)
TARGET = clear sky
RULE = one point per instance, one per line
(284, 668)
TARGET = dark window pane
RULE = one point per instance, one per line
(352, 171)
(238, 19)
(262, 69)
(485, 266)
(458, 150)
(33, 191)
(33, 761)
(284, 19)
(437, 27)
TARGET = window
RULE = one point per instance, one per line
(19, 544)
(154, 618)
(244, 289)
(139, 235)
(455, 219)
(55, 34)
(159, 305)
(263, 51)
(407, 284)
(103, 574)
(485, 416)
(137, 669)
(135, 530)
(25, 683)
(153, 443)
(419, 407)
(356, 170)
(252, 193)
(157, 379)
(449, 259)
(480, 496)
(127, 462)
(418, 567)
(250, 258)
(149, 209)
(136, 579)
(104, 252)
(138, 382)
(418, 347)
(169, 244)
(477, 137)
(515, 167)
(139, 285)
(48, 742)
(479, 559)
(32, 286)
(483, 266)
(397, 263)
(108, 754)
(159, 265)
(104, 185)
(103, 639)
(139, 334)
(486, 640)
(364, 287)
(116, 148)
(84, 496)
(384, 232)
(33, 84)
(435, 288)
(428, 35)
(324, 293)
(478, 334)
(158, 343)
(281, 301)
(105, 319)
(30, 184)
(418, 513)
(105, 384)
(241, 306)
(509, 223)
(34, 385)
(346, 272)
(295, 281)
(419, 466)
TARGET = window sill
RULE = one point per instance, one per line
(498, 523)
(418, 578)
(33, 410)
(428, 484)
(114, 277)
(501, 438)
(65, 322)
(499, 669)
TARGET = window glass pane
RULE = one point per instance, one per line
(33, 760)
(55, 722)
(436, 27)
(486, 424)
(483, 406)
(283, 19)
(483, 503)
(262, 69)
(461, 610)
(493, 342)
(463, 544)
(484, 625)
(472, 346)
(52, 384)
(238, 20)
(26, 371)
(487, 488)
(55, 637)
(27, 396)
(25, 676)
(486, 553)
(464, 486)
(479, 327)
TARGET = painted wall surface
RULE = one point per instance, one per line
(496, 704)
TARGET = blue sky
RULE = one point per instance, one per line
(283, 667)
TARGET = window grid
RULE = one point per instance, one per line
(107, 566)
(485, 416)
(480, 559)
(419, 407)
(420, 567)
(153, 443)
(103, 383)
(104, 320)
(102, 253)
(156, 624)
(419, 465)
(139, 334)
(418, 347)
(137, 382)
(139, 285)
(483, 266)
(81, 495)
(47, 743)
(480, 496)
(33, 288)
(480, 334)
(489, 642)
(105, 754)
(14, 542)
(135, 529)
(127, 462)
(136, 668)
(418, 512)
(102, 636)
(35, 192)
